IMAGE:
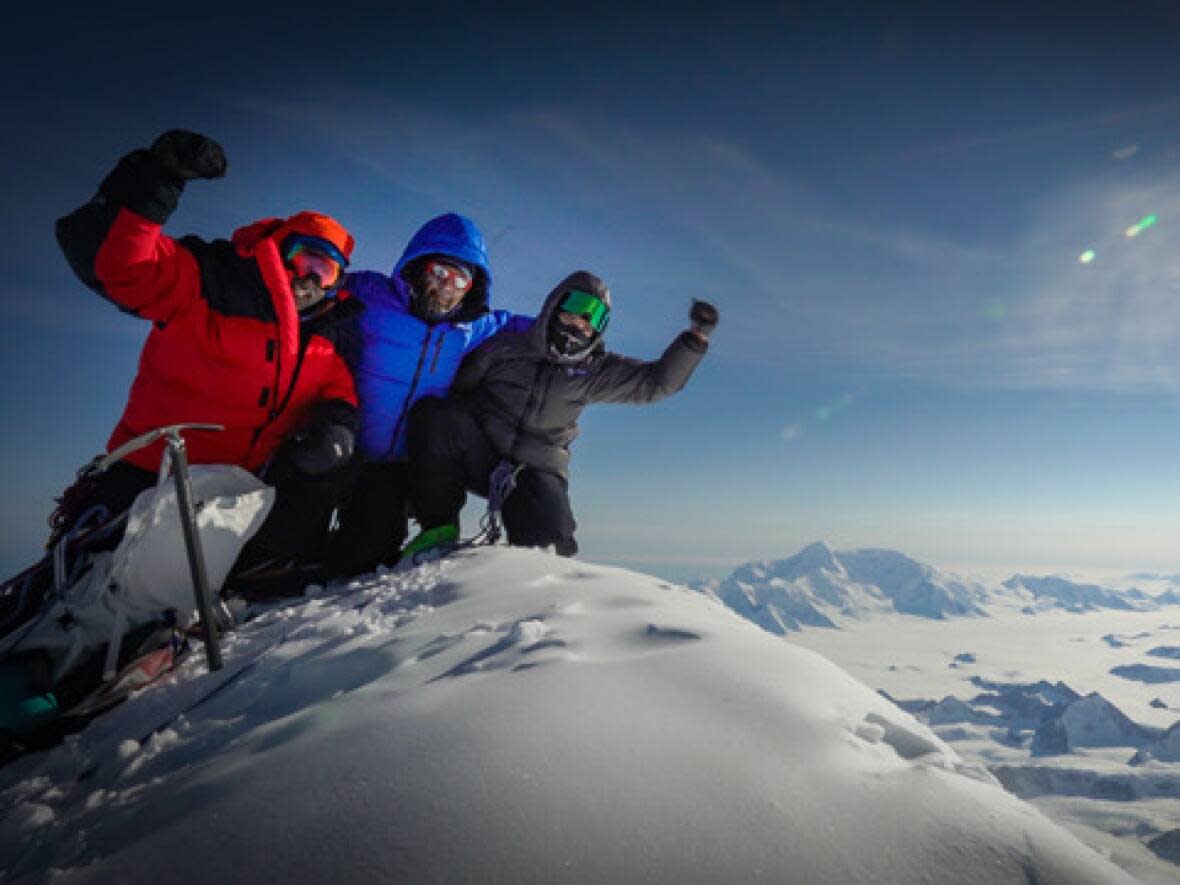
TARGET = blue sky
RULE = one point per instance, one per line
(886, 201)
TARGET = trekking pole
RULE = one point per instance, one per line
(192, 543)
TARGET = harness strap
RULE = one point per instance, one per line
(500, 486)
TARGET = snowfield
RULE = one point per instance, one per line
(1063, 689)
(509, 716)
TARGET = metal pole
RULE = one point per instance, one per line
(192, 543)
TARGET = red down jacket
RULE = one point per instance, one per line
(228, 346)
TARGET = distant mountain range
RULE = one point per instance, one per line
(820, 587)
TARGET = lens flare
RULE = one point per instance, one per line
(1141, 225)
(839, 404)
(1087, 257)
(824, 412)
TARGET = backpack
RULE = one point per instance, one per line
(146, 578)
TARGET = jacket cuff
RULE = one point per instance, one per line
(693, 343)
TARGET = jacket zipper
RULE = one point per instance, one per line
(276, 406)
(401, 417)
(304, 344)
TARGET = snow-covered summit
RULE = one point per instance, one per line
(818, 587)
(1091, 721)
(1165, 749)
(509, 716)
(1052, 591)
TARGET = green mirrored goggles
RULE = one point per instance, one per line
(583, 304)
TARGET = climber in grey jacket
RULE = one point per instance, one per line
(517, 399)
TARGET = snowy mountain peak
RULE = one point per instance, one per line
(1091, 721)
(507, 716)
(812, 558)
(1165, 749)
(1053, 591)
(819, 586)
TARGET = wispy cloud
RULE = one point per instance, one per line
(792, 432)
(800, 280)
(1054, 128)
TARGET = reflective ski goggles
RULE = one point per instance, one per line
(311, 255)
(447, 276)
(591, 307)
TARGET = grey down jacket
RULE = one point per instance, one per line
(528, 401)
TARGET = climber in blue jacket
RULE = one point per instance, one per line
(417, 326)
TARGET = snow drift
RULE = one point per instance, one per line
(509, 716)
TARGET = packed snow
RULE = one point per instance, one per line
(509, 716)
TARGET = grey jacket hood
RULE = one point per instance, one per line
(583, 281)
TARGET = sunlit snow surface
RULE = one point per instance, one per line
(510, 716)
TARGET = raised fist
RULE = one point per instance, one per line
(189, 154)
(704, 317)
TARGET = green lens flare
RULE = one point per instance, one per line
(1141, 225)
(1087, 257)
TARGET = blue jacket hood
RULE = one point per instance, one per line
(455, 235)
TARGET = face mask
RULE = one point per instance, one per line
(569, 340)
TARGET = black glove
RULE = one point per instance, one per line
(321, 448)
(704, 317)
(189, 155)
(149, 182)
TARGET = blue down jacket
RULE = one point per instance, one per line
(396, 357)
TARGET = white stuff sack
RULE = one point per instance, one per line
(148, 573)
(151, 566)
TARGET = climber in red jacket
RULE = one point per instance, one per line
(244, 335)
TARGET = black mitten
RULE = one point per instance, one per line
(189, 155)
(704, 317)
(321, 448)
(150, 182)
